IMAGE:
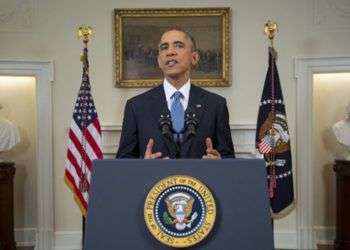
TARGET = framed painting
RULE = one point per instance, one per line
(137, 34)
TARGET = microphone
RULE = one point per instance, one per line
(165, 124)
(191, 123)
(166, 128)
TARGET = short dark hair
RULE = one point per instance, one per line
(187, 34)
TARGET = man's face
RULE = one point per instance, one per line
(176, 55)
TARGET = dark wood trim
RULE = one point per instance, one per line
(7, 237)
(342, 170)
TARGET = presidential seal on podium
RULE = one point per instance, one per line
(180, 211)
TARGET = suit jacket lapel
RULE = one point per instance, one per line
(196, 104)
(158, 107)
(158, 103)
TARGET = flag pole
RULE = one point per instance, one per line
(84, 33)
(270, 29)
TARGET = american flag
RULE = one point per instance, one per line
(84, 143)
(265, 145)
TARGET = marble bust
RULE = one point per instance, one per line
(341, 130)
(9, 134)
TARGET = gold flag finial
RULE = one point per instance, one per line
(270, 29)
(85, 33)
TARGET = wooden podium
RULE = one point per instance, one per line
(7, 238)
(342, 241)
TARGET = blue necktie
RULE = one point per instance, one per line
(177, 112)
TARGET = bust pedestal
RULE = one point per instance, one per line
(342, 241)
(7, 238)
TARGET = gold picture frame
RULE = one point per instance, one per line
(137, 33)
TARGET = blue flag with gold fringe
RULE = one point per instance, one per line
(273, 139)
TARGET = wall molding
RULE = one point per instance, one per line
(288, 239)
(68, 240)
(243, 136)
(71, 240)
(284, 239)
(43, 73)
(324, 235)
(16, 15)
(305, 68)
(331, 14)
(25, 237)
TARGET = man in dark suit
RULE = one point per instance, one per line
(176, 119)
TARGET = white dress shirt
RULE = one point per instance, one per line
(169, 90)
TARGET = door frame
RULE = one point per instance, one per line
(43, 73)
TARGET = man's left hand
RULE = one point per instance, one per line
(212, 154)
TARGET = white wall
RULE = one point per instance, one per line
(47, 30)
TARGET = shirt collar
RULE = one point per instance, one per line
(169, 90)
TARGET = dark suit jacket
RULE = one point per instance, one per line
(141, 122)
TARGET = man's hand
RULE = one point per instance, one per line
(148, 154)
(212, 153)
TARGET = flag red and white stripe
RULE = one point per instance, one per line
(84, 143)
(264, 146)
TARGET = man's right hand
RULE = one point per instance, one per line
(148, 154)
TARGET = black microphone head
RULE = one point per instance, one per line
(190, 117)
(191, 122)
(164, 123)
